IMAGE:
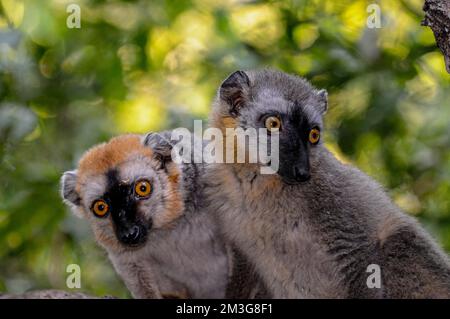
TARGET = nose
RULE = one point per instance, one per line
(301, 174)
(131, 235)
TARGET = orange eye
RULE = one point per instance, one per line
(314, 136)
(272, 123)
(142, 188)
(100, 208)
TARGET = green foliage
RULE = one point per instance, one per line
(149, 65)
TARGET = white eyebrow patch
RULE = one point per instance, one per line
(136, 168)
(94, 188)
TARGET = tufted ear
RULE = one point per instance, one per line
(234, 91)
(322, 97)
(161, 145)
(68, 191)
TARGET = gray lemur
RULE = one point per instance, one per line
(312, 229)
(148, 213)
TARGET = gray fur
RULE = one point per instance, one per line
(316, 239)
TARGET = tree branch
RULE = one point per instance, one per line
(437, 17)
(51, 294)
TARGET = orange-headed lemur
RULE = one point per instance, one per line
(149, 214)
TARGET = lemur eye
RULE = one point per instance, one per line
(142, 188)
(100, 208)
(314, 135)
(272, 123)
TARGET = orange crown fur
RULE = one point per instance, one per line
(102, 157)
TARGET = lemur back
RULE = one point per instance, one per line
(162, 244)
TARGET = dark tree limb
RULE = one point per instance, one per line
(49, 294)
(437, 17)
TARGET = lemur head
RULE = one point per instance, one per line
(275, 100)
(125, 188)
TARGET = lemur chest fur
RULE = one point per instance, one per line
(188, 257)
(276, 237)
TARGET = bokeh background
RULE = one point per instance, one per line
(136, 66)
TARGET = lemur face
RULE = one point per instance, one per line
(275, 101)
(125, 190)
